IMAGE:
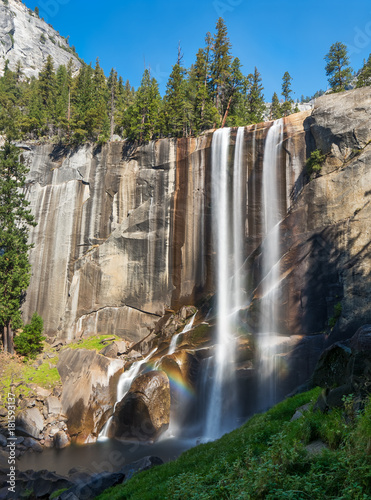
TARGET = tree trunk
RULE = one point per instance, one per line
(5, 339)
(227, 111)
(10, 339)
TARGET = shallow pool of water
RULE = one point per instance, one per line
(108, 456)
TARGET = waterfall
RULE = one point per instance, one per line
(123, 387)
(175, 338)
(270, 262)
(228, 216)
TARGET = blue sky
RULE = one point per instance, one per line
(275, 36)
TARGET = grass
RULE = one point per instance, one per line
(20, 373)
(91, 343)
(266, 459)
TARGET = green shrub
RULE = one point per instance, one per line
(315, 162)
(29, 342)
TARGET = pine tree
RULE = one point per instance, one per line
(113, 91)
(220, 67)
(29, 342)
(82, 102)
(364, 77)
(142, 119)
(125, 99)
(47, 89)
(286, 93)
(276, 111)
(233, 86)
(174, 103)
(204, 111)
(96, 118)
(255, 99)
(34, 122)
(10, 96)
(337, 67)
(15, 220)
(63, 84)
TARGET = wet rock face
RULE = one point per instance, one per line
(144, 413)
(89, 392)
(26, 38)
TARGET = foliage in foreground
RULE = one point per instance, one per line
(266, 459)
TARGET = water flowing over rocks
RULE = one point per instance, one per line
(89, 391)
(27, 39)
(144, 413)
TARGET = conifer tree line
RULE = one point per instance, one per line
(89, 106)
(212, 93)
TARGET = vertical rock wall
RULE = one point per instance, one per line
(125, 233)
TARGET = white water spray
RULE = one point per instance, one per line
(270, 262)
(228, 245)
(123, 386)
(188, 327)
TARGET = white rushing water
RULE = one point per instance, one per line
(270, 262)
(123, 386)
(175, 338)
(228, 216)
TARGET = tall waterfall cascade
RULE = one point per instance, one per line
(229, 177)
(228, 220)
(270, 263)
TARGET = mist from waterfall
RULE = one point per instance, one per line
(228, 222)
(270, 264)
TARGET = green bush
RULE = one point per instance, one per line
(29, 342)
(315, 162)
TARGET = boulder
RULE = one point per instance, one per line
(41, 483)
(4, 456)
(316, 447)
(300, 412)
(29, 422)
(33, 445)
(40, 392)
(115, 349)
(53, 405)
(110, 350)
(87, 487)
(89, 391)
(335, 396)
(139, 466)
(331, 369)
(345, 369)
(3, 441)
(61, 440)
(361, 341)
(144, 413)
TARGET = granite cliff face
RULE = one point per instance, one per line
(125, 233)
(27, 39)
